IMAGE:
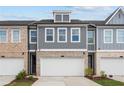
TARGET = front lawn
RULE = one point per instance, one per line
(24, 82)
(108, 82)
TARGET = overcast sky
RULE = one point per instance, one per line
(45, 12)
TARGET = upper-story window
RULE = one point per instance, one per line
(3, 36)
(75, 34)
(49, 34)
(62, 18)
(108, 36)
(33, 36)
(120, 36)
(62, 35)
(91, 37)
(15, 36)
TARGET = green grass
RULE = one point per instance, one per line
(109, 82)
(21, 82)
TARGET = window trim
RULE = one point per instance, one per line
(105, 30)
(79, 35)
(12, 36)
(65, 35)
(117, 35)
(30, 37)
(53, 30)
(93, 38)
(61, 18)
(6, 30)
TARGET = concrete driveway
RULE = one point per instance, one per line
(6, 79)
(64, 81)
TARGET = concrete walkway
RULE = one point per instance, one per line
(64, 81)
(6, 79)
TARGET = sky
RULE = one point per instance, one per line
(45, 12)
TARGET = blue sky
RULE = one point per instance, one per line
(45, 12)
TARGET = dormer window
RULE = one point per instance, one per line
(61, 16)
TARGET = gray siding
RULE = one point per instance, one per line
(56, 45)
(116, 19)
(109, 46)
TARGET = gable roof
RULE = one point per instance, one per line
(112, 15)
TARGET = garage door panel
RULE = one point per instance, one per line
(112, 66)
(11, 66)
(62, 67)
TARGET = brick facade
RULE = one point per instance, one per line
(16, 50)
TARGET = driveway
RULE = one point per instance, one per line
(64, 81)
(6, 79)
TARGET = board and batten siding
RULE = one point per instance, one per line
(108, 46)
(58, 45)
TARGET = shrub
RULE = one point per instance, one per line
(30, 77)
(21, 75)
(88, 71)
(103, 75)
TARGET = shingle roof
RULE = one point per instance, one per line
(9, 23)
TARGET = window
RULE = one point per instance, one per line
(15, 36)
(49, 34)
(62, 34)
(120, 35)
(90, 37)
(75, 34)
(33, 36)
(3, 36)
(108, 36)
(62, 18)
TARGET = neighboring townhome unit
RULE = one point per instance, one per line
(13, 47)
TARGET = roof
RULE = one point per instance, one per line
(111, 15)
(19, 23)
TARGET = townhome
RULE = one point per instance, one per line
(13, 47)
(63, 46)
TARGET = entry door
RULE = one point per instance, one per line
(62, 66)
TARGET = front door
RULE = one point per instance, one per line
(33, 64)
(90, 61)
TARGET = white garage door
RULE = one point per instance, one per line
(112, 66)
(62, 67)
(11, 66)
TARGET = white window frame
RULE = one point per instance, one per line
(117, 35)
(31, 36)
(53, 29)
(6, 36)
(72, 35)
(12, 36)
(93, 38)
(58, 35)
(105, 30)
(61, 18)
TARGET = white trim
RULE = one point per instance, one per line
(61, 17)
(6, 30)
(12, 36)
(78, 35)
(109, 50)
(117, 35)
(93, 37)
(30, 36)
(32, 50)
(105, 30)
(58, 35)
(53, 30)
(62, 50)
(37, 37)
(96, 38)
(113, 15)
